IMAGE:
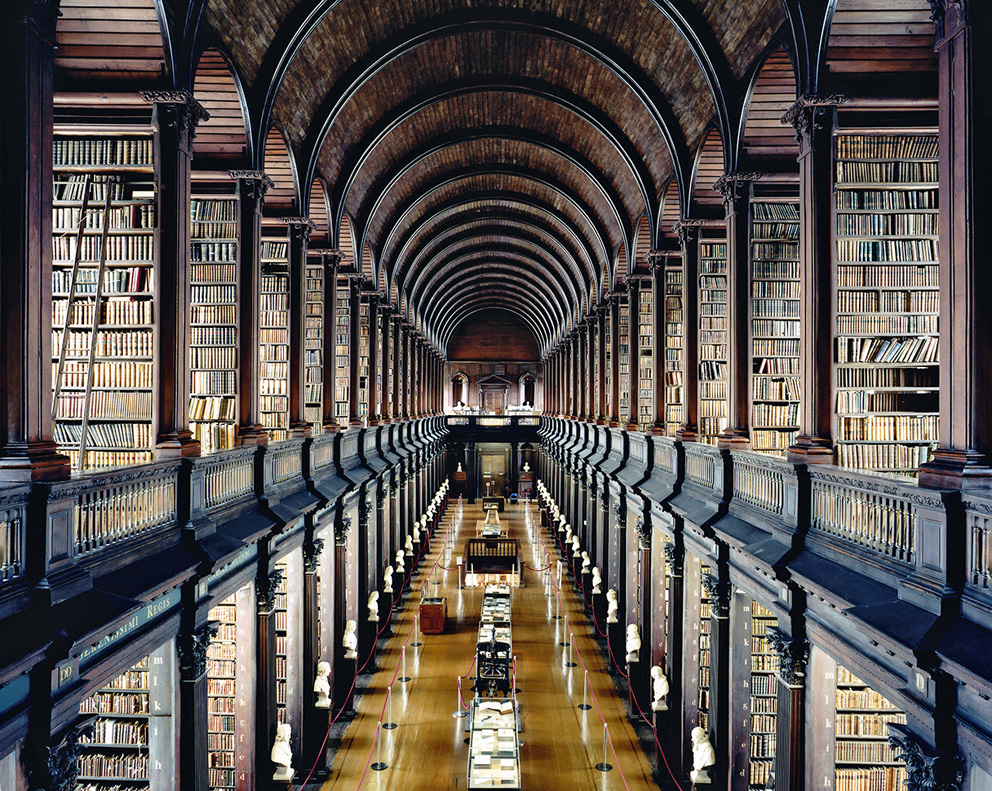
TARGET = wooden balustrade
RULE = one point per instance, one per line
(11, 544)
(699, 467)
(665, 455)
(322, 454)
(109, 514)
(863, 511)
(980, 550)
(230, 480)
(286, 464)
(758, 484)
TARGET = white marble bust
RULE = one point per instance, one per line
(408, 545)
(659, 689)
(416, 534)
(586, 562)
(322, 686)
(703, 756)
(633, 643)
(568, 534)
(400, 563)
(526, 466)
(459, 468)
(576, 548)
(282, 753)
(387, 580)
(597, 580)
(350, 640)
(373, 606)
(611, 605)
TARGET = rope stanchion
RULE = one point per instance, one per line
(605, 767)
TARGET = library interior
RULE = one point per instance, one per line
(337, 338)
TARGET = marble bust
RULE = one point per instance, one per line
(350, 640)
(568, 534)
(633, 643)
(586, 562)
(576, 551)
(282, 753)
(322, 685)
(526, 466)
(459, 468)
(611, 605)
(703, 756)
(373, 606)
(416, 533)
(387, 580)
(659, 689)
(597, 580)
(408, 545)
(400, 563)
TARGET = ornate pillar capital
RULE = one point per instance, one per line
(687, 230)
(793, 654)
(192, 650)
(266, 596)
(925, 770)
(675, 559)
(719, 595)
(311, 555)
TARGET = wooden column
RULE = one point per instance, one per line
(402, 364)
(790, 743)
(813, 118)
(688, 231)
(176, 115)
(962, 458)
(343, 670)
(656, 263)
(299, 232)
(589, 362)
(27, 451)
(614, 360)
(374, 373)
(265, 672)
(674, 727)
(330, 260)
(633, 353)
(602, 316)
(721, 674)
(314, 719)
(580, 371)
(736, 191)
(252, 186)
(386, 330)
(192, 724)
(354, 350)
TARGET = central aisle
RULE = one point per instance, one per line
(561, 743)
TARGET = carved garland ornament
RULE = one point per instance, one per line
(925, 772)
(341, 531)
(719, 595)
(311, 555)
(266, 598)
(675, 558)
(793, 654)
(192, 650)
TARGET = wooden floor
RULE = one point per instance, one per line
(428, 750)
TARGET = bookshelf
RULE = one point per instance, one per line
(703, 694)
(608, 373)
(342, 351)
(104, 244)
(712, 339)
(596, 341)
(222, 690)
(863, 758)
(116, 753)
(380, 329)
(764, 699)
(274, 336)
(645, 368)
(623, 364)
(674, 333)
(775, 388)
(281, 615)
(364, 340)
(313, 349)
(887, 300)
(213, 403)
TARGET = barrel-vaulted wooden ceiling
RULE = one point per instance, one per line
(474, 154)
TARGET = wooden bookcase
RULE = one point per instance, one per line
(213, 403)
(705, 645)
(674, 360)
(713, 408)
(342, 351)
(281, 615)
(887, 300)
(313, 349)
(775, 389)
(645, 346)
(104, 247)
(274, 334)
(131, 741)
(222, 691)
(864, 760)
(364, 348)
(623, 364)
(764, 699)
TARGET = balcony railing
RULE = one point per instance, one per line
(700, 466)
(865, 511)
(493, 421)
(110, 510)
(231, 479)
(759, 484)
(287, 463)
(11, 544)
(980, 550)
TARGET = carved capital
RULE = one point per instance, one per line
(311, 555)
(330, 256)
(806, 113)
(656, 260)
(948, 15)
(341, 529)
(59, 766)
(266, 597)
(192, 650)
(256, 176)
(43, 17)
(189, 112)
(363, 515)
(643, 533)
(381, 494)
(734, 186)
(924, 770)
(620, 512)
(675, 559)
(793, 654)
(687, 230)
(719, 595)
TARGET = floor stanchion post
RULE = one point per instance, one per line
(585, 690)
(605, 767)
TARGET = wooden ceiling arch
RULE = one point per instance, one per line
(573, 228)
(511, 298)
(318, 210)
(282, 198)
(518, 210)
(222, 141)
(477, 306)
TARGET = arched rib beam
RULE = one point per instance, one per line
(510, 298)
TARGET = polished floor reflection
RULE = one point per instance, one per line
(428, 750)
